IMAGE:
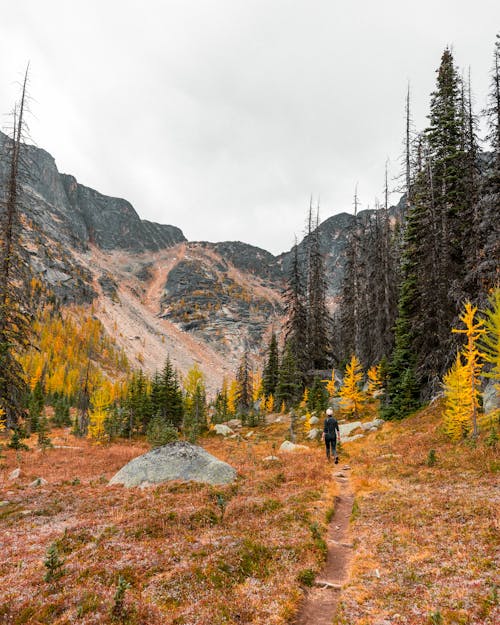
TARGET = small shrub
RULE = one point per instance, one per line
(88, 605)
(356, 510)
(436, 618)
(53, 564)
(329, 514)
(118, 611)
(306, 577)
(431, 458)
(492, 439)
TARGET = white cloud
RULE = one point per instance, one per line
(223, 117)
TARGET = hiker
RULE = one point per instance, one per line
(330, 433)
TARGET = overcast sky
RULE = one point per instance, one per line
(223, 116)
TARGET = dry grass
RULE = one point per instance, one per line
(427, 537)
(186, 564)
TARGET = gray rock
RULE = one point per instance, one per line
(233, 423)
(313, 434)
(220, 428)
(372, 425)
(491, 399)
(313, 420)
(14, 475)
(288, 446)
(176, 461)
(271, 459)
(249, 434)
(347, 428)
(38, 482)
(349, 439)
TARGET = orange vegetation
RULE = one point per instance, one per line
(192, 553)
(425, 528)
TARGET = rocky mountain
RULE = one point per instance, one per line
(153, 290)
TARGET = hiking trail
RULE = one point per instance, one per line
(320, 603)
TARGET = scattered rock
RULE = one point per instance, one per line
(349, 439)
(491, 399)
(223, 429)
(4, 503)
(346, 467)
(313, 420)
(288, 446)
(176, 461)
(347, 428)
(15, 474)
(338, 474)
(249, 434)
(313, 434)
(38, 482)
(325, 584)
(233, 423)
(271, 459)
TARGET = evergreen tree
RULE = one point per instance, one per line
(62, 417)
(137, 404)
(244, 380)
(36, 405)
(317, 398)
(195, 416)
(195, 404)
(289, 389)
(160, 432)
(15, 317)
(318, 317)
(44, 441)
(296, 315)
(271, 369)
(222, 412)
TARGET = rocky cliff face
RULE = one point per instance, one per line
(155, 292)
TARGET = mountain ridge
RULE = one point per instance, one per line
(155, 291)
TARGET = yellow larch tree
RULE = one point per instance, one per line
(375, 383)
(351, 395)
(457, 401)
(473, 331)
(305, 399)
(330, 385)
(100, 401)
(269, 404)
(233, 394)
(256, 386)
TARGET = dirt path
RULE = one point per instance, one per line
(320, 603)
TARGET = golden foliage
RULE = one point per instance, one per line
(66, 343)
(457, 400)
(330, 385)
(473, 331)
(352, 398)
(375, 383)
(100, 401)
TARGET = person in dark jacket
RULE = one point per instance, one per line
(331, 434)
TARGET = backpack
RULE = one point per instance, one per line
(330, 427)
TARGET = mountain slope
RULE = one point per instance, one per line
(154, 291)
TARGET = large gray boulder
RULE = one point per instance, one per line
(176, 461)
